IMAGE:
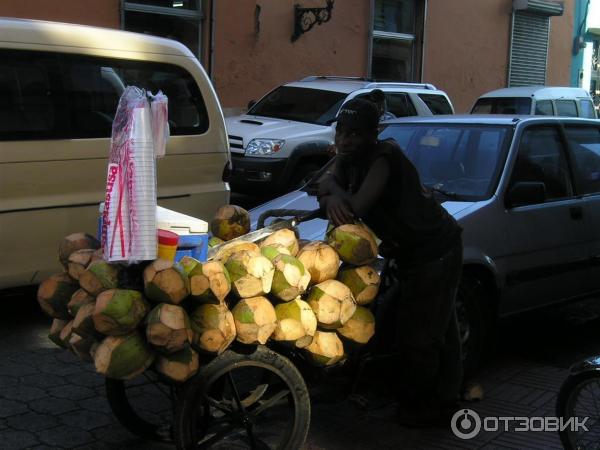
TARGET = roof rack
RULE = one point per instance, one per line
(334, 77)
(380, 84)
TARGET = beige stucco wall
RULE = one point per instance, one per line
(102, 13)
(467, 47)
(247, 65)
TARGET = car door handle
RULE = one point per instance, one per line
(576, 212)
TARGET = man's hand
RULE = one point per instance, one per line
(338, 211)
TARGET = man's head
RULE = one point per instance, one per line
(377, 96)
(357, 127)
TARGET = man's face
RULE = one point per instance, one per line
(352, 141)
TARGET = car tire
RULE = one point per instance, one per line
(476, 321)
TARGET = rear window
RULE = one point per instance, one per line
(566, 108)
(587, 109)
(59, 96)
(438, 104)
(502, 105)
(544, 108)
(300, 104)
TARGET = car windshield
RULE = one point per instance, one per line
(502, 105)
(462, 161)
(300, 104)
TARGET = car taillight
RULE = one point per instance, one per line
(226, 172)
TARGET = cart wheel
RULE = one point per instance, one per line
(143, 405)
(257, 400)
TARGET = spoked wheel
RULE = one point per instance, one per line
(579, 397)
(240, 401)
(143, 405)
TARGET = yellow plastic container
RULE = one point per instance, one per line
(167, 244)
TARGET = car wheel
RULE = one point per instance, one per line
(475, 321)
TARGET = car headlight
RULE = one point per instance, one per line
(263, 147)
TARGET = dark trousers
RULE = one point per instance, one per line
(416, 318)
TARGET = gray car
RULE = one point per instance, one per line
(526, 191)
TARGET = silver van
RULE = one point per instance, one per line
(526, 191)
(59, 89)
(537, 100)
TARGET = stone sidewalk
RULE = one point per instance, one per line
(49, 399)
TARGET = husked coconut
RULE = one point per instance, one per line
(165, 283)
(332, 303)
(354, 243)
(209, 282)
(55, 330)
(230, 221)
(255, 320)
(179, 366)
(122, 357)
(321, 261)
(213, 328)
(54, 295)
(100, 276)
(360, 328)
(168, 328)
(79, 260)
(225, 251)
(296, 323)
(119, 311)
(325, 349)
(251, 274)
(285, 238)
(290, 279)
(363, 281)
(79, 298)
(74, 242)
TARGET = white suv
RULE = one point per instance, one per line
(287, 135)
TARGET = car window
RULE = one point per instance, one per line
(438, 104)
(566, 108)
(585, 147)
(300, 104)
(587, 109)
(502, 105)
(400, 104)
(31, 104)
(544, 108)
(464, 159)
(94, 85)
(541, 158)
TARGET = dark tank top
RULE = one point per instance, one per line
(410, 222)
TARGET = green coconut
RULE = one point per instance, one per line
(214, 241)
(285, 238)
(82, 346)
(296, 323)
(209, 282)
(123, 357)
(290, 278)
(321, 261)
(54, 295)
(251, 274)
(100, 276)
(178, 367)
(165, 283)
(168, 328)
(74, 242)
(79, 260)
(332, 303)
(230, 221)
(325, 349)
(354, 243)
(213, 328)
(119, 311)
(360, 328)
(363, 281)
(79, 298)
(55, 329)
(255, 320)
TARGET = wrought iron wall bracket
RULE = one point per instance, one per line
(306, 18)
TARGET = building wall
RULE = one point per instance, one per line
(248, 63)
(102, 13)
(467, 61)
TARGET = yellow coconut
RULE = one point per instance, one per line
(285, 238)
(332, 303)
(230, 221)
(363, 281)
(321, 261)
(325, 349)
(354, 243)
(255, 320)
(360, 328)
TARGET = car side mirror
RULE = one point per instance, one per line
(526, 193)
(251, 103)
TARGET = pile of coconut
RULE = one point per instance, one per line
(162, 315)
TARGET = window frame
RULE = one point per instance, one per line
(575, 174)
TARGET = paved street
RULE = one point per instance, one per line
(49, 399)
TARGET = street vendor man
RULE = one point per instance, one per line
(372, 181)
